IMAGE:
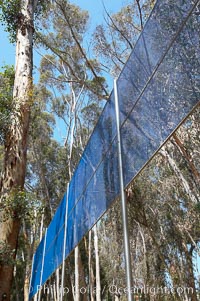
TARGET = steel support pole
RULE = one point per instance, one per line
(42, 268)
(123, 201)
(64, 247)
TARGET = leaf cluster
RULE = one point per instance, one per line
(7, 77)
(18, 205)
(6, 254)
(9, 16)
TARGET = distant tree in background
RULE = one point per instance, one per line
(114, 40)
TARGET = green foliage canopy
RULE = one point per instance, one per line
(11, 15)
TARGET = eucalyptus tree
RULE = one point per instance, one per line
(75, 83)
(65, 39)
(19, 18)
(114, 40)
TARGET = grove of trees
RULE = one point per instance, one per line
(71, 87)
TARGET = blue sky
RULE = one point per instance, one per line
(7, 50)
(95, 8)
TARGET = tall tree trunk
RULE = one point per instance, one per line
(82, 282)
(17, 297)
(26, 281)
(13, 175)
(57, 284)
(98, 280)
(91, 272)
(76, 262)
(28, 258)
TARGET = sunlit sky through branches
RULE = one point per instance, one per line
(96, 11)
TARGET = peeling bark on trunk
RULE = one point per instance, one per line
(13, 174)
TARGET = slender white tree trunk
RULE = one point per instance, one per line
(76, 258)
(73, 115)
(27, 279)
(57, 285)
(98, 280)
(91, 272)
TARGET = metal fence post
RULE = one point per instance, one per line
(123, 200)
